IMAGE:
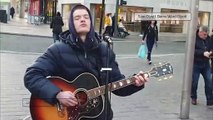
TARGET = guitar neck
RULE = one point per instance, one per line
(95, 92)
(158, 71)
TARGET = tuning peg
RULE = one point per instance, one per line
(159, 79)
(165, 78)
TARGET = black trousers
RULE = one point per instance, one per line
(150, 43)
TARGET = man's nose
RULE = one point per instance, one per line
(82, 19)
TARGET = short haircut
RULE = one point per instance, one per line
(204, 29)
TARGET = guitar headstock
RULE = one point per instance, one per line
(161, 70)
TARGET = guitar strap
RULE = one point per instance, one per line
(101, 61)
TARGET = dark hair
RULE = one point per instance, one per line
(71, 23)
(58, 14)
(155, 23)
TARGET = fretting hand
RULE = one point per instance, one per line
(141, 78)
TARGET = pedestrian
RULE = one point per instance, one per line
(56, 26)
(151, 37)
(211, 43)
(80, 51)
(108, 24)
(12, 12)
(202, 66)
(121, 28)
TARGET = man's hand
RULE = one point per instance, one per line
(207, 54)
(211, 54)
(67, 98)
(141, 78)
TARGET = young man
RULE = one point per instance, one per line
(202, 66)
(80, 51)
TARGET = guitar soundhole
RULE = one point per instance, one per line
(81, 97)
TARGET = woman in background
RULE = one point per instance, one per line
(151, 37)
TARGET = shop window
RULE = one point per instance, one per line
(130, 20)
(203, 18)
(173, 26)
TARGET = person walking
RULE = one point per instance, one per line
(211, 44)
(56, 26)
(81, 51)
(202, 66)
(151, 37)
(108, 25)
(12, 12)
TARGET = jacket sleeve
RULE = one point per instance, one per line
(35, 78)
(198, 48)
(145, 33)
(62, 23)
(116, 75)
(156, 33)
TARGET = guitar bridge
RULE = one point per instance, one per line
(60, 109)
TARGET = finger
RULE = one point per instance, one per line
(138, 83)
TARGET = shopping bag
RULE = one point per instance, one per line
(142, 51)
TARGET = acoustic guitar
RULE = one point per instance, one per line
(89, 93)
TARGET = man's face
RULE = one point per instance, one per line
(81, 21)
(203, 35)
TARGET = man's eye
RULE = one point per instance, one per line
(77, 17)
(86, 16)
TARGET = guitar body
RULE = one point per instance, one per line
(87, 108)
(88, 93)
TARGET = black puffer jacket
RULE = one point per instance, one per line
(68, 59)
(200, 47)
(211, 47)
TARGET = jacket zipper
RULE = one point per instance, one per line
(85, 54)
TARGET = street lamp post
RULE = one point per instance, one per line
(116, 33)
(189, 57)
(102, 16)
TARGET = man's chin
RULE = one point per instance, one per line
(83, 31)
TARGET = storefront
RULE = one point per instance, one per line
(175, 26)
(44, 9)
(130, 11)
(204, 18)
(131, 22)
(34, 7)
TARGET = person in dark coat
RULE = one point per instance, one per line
(12, 12)
(202, 66)
(151, 37)
(211, 44)
(80, 51)
(56, 26)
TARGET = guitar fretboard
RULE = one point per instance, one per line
(162, 70)
(93, 93)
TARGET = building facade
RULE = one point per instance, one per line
(129, 12)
